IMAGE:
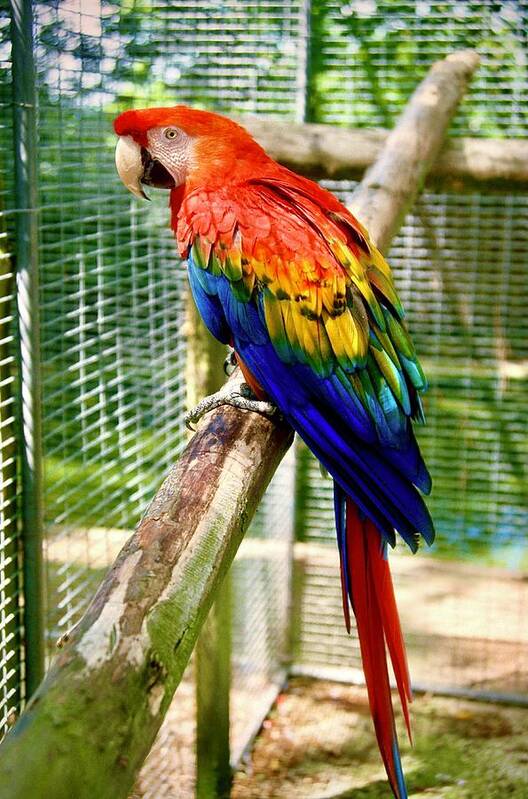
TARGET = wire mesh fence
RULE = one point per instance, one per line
(11, 650)
(460, 265)
(367, 56)
(112, 305)
(112, 308)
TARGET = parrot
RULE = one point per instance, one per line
(282, 272)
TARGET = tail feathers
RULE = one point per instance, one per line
(381, 576)
(340, 520)
(366, 579)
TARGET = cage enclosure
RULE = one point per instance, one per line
(94, 353)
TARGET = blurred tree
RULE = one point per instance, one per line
(384, 46)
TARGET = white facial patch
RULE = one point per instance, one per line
(173, 151)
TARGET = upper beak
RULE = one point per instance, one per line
(130, 164)
(135, 166)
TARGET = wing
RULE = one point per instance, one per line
(286, 272)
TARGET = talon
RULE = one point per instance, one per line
(247, 392)
(230, 363)
(64, 638)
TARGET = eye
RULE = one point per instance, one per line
(171, 133)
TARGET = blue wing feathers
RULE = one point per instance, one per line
(400, 503)
(208, 304)
(332, 421)
(244, 316)
(364, 474)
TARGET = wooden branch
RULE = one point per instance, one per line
(94, 718)
(489, 161)
(325, 151)
(392, 183)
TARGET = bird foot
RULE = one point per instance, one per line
(235, 393)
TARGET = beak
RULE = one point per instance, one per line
(135, 166)
(130, 165)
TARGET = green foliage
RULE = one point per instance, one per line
(366, 58)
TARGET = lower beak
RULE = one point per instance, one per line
(135, 166)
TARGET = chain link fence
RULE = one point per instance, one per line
(112, 318)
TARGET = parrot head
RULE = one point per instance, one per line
(171, 147)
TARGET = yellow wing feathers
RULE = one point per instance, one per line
(326, 292)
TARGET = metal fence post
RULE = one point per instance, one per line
(303, 62)
(213, 649)
(25, 156)
(213, 686)
(302, 454)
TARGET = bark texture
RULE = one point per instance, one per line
(94, 718)
(324, 151)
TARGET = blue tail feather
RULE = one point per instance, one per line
(400, 779)
(400, 501)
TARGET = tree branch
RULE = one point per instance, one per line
(393, 182)
(325, 151)
(94, 718)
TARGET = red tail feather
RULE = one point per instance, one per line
(374, 606)
(391, 621)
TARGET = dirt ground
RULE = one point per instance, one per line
(317, 743)
(464, 623)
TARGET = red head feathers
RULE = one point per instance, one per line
(218, 148)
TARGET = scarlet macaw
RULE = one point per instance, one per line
(283, 272)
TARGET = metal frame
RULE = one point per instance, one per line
(27, 264)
